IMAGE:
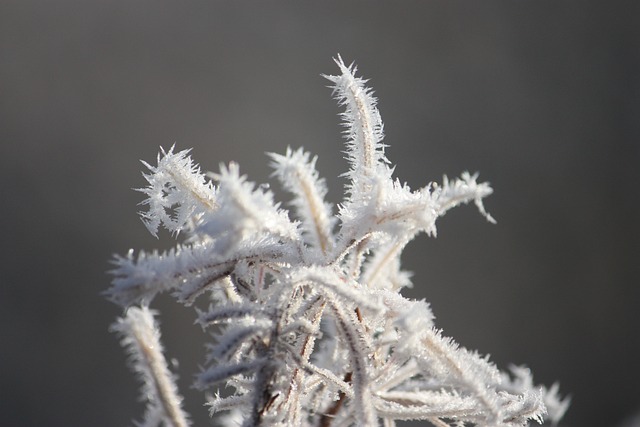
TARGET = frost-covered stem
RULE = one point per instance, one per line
(382, 260)
(327, 417)
(218, 271)
(314, 208)
(460, 191)
(363, 116)
(364, 129)
(357, 258)
(296, 171)
(264, 383)
(308, 342)
(262, 395)
(365, 411)
(185, 183)
(346, 245)
(480, 390)
(140, 335)
(194, 292)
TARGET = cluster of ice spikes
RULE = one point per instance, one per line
(309, 325)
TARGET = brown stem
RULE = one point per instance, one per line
(327, 417)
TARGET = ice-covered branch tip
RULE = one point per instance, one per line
(178, 193)
(296, 171)
(363, 127)
(463, 190)
(308, 325)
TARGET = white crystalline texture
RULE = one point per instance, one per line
(308, 324)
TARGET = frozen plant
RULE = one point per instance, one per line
(309, 326)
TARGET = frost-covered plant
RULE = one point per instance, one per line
(309, 325)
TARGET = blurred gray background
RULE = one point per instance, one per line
(542, 97)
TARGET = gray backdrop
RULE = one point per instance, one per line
(542, 97)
